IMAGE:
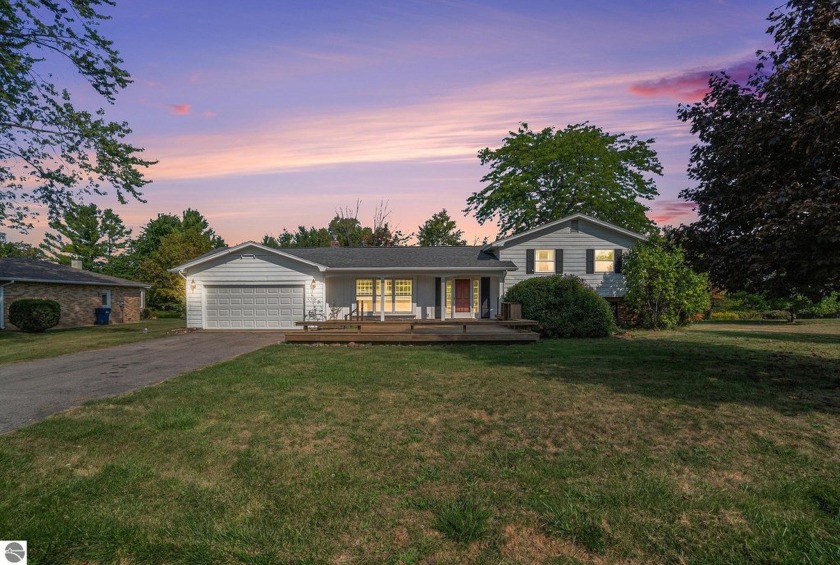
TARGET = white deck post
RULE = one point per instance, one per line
(442, 298)
(382, 299)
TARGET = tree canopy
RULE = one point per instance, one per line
(50, 150)
(18, 249)
(88, 233)
(538, 177)
(767, 163)
(344, 230)
(440, 229)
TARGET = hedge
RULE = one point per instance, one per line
(34, 314)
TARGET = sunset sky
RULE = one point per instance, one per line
(268, 114)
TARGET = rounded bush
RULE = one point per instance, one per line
(564, 306)
(34, 314)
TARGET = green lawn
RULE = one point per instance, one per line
(19, 346)
(720, 444)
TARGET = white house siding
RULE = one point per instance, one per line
(250, 268)
(195, 297)
(574, 246)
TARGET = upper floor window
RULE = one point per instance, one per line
(604, 261)
(544, 261)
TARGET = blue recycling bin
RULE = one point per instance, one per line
(103, 315)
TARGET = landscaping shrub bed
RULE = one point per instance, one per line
(564, 306)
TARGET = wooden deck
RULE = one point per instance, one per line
(415, 331)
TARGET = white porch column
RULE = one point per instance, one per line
(382, 299)
(442, 298)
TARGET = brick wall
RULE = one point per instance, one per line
(78, 302)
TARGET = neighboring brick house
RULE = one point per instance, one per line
(79, 292)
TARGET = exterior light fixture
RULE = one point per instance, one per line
(312, 284)
(192, 285)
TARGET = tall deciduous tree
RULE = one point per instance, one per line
(86, 232)
(51, 151)
(440, 229)
(537, 177)
(165, 242)
(768, 163)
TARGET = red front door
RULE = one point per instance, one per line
(462, 295)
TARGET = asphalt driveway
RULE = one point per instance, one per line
(33, 390)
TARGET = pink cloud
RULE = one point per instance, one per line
(665, 212)
(692, 85)
(209, 114)
(180, 109)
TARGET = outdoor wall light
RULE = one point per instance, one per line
(192, 285)
(312, 284)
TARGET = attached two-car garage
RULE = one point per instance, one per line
(253, 307)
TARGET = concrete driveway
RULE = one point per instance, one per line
(33, 390)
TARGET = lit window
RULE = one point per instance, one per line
(604, 260)
(397, 293)
(475, 295)
(544, 261)
(364, 294)
(402, 295)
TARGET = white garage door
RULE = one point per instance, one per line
(253, 307)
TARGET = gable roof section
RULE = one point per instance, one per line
(403, 258)
(505, 241)
(222, 251)
(20, 269)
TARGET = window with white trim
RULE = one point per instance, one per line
(106, 298)
(604, 260)
(544, 261)
(398, 295)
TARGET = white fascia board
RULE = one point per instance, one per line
(237, 249)
(500, 243)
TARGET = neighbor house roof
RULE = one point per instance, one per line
(20, 269)
(373, 258)
(499, 243)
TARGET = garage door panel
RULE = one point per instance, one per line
(268, 307)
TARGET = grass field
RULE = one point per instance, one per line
(19, 346)
(720, 444)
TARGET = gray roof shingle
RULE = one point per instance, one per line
(34, 270)
(467, 257)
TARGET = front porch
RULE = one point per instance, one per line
(405, 295)
(416, 331)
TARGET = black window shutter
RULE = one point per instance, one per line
(590, 261)
(558, 261)
(529, 261)
(618, 261)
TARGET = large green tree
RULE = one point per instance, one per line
(540, 176)
(87, 233)
(166, 242)
(50, 150)
(440, 229)
(767, 163)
